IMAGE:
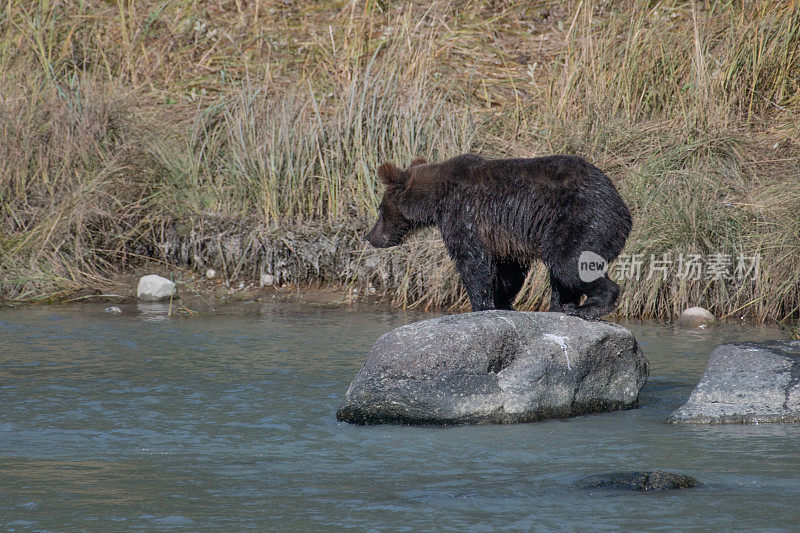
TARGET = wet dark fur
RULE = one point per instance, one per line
(498, 216)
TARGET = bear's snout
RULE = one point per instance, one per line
(376, 240)
(376, 237)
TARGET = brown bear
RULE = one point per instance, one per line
(497, 216)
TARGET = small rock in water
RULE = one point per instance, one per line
(746, 383)
(696, 317)
(154, 288)
(642, 481)
(211, 273)
(113, 310)
(267, 280)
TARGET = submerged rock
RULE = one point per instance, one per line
(696, 317)
(496, 367)
(746, 383)
(643, 481)
(154, 288)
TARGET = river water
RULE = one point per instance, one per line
(226, 421)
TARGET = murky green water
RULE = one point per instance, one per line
(126, 421)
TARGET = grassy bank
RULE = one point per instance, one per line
(122, 121)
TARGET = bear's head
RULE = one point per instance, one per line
(395, 221)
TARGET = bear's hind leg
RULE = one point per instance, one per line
(509, 280)
(568, 287)
(563, 299)
(601, 299)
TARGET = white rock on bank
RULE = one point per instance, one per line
(154, 288)
(267, 280)
(696, 317)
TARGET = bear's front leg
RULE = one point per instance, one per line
(478, 280)
(478, 272)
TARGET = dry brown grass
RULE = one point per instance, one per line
(120, 117)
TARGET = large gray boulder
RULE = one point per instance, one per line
(746, 383)
(496, 367)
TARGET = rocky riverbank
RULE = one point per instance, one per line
(252, 257)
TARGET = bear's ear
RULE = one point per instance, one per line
(389, 174)
(417, 161)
